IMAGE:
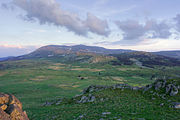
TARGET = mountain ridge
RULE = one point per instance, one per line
(62, 50)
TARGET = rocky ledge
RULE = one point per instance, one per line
(161, 88)
(11, 108)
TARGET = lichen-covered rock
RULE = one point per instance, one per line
(4, 115)
(4, 98)
(11, 108)
(16, 113)
(14, 100)
(3, 106)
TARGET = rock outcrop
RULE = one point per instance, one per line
(169, 87)
(95, 88)
(11, 108)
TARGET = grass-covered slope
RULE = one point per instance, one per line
(35, 81)
(121, 104)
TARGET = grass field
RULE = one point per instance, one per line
(34, 82)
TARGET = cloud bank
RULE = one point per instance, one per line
(49, 11)
(135, 32)
(177, 20)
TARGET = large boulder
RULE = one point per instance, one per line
(11, 108)
(170, 87)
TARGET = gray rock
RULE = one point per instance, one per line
(176, 105)
(147, 88)
(106, 113)
(168, 88)
(135, 88)
(81, 116)
(158, 85)
(85, 99)
(102, 99)
(47, 103)
(92, 99)
(162, 104)
(174, 90)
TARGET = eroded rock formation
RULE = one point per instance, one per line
(11, 108)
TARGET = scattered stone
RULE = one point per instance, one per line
(176, 105)
(174, 90)
(169, 100)
(147, 88)
(81, 116)
(47, 103)
(102, 99)
(135, 88)
(158, 85)
(153, 98)
(168, 88)
(106, 113)
(58, 102)
(85, 99)
(162, 104)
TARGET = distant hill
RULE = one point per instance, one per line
(51, 50)
(67, 53)
(174, 54)
(94, 54)
(145, 59)
(6, 58)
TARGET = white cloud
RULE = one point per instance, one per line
(49, 11)
(134, 32)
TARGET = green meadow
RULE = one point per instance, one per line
(34, 82)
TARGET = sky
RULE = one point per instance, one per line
(145, 25)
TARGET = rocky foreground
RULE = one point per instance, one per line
(11, 108)
(162, 88)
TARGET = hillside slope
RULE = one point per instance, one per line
(174, 54)
(158, 101)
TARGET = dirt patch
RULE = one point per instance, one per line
(59, 64)
(136, 77)
(125, 69)
(115, 78)
(3, 73)
(96, 70)
(39, 78)
(75, 86)
(55, 67)
(118, 78)
(63, 85)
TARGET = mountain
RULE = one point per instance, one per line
(94, 54)
(69, 53)
(52, 50)
(174, 54)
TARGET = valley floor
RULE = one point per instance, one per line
(35, 82)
